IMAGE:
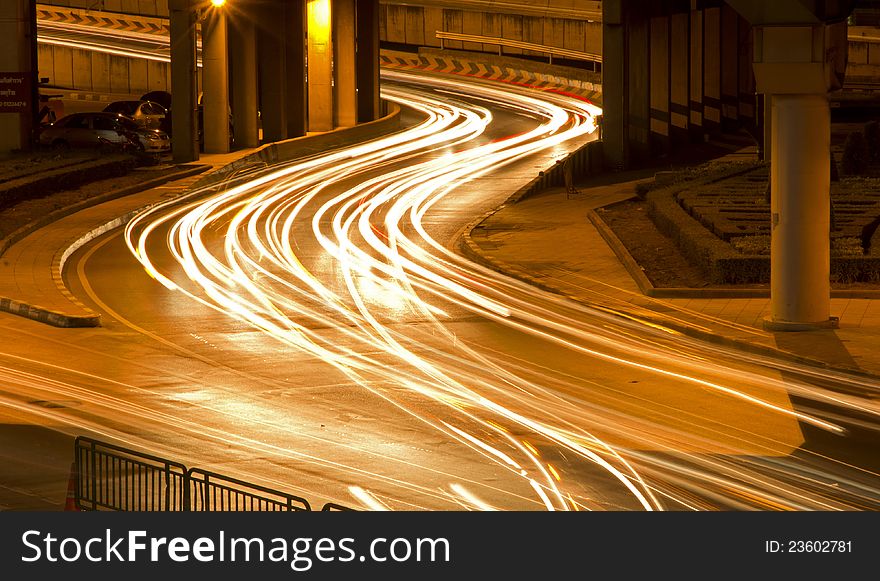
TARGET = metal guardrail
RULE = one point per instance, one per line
(113, 478)
(110, 477)
(551, 51)
(210, 491)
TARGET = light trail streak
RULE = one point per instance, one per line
(363, 205)
(367, 208)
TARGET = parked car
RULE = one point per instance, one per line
(147, 114)
(161, 97)
(104, 130)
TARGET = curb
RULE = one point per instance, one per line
(61, 319)
(648, 288)
(471, 250)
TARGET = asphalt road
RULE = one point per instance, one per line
(309, 329)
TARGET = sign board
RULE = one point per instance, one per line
(15, 92)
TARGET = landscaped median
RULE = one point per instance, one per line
(717, 217)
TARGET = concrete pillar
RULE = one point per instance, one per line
(295, 88)
(614, 85)
(272, 71)
(695, 96)
(659, 82)
(367, 25)
(729, 68)
(712, 69)
(638, 89)
(679, 77)
(243, 54)
(787, 68)
(215, 81)
(320, 65)
(184, 129)
(344, 64)
(19, 102)
(800, 184)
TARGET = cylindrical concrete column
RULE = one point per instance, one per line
(800, 184)
(296, 99)
(19, 80)
(215, 82)
(184, 92)
(243, 40)
(273, 74)
(344, 64)
(367, 25)
(320, 65)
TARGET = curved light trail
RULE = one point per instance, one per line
(556, 431)
(366, 207)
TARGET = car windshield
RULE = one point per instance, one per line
(124, 107)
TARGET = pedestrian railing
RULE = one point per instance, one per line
(110, 477)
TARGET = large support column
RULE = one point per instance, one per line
(271, 32)
(367, 25)
(795, 65)
(800, 196)
(320, 66)
(18, 74)
(215, 81)
(659, 82)
(614, 85)
(695, 95)
(679, 77)
(638, 89)
(243, 44)
(344, 64)
(729, 69)
(712, 69)
(184, 129)
(296, 100)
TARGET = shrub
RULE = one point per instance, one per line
(855, 154)
(752, 245)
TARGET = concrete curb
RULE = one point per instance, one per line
(648, 288)
(89, 318)
(471, 250)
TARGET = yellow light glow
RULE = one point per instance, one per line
(218, 3)
(319, 21)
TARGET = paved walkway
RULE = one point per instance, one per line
(548, 240)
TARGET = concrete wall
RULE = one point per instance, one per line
(96, 72)
(417, 26)
(863, 59)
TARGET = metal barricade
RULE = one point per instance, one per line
(110, 477)
(209, 491)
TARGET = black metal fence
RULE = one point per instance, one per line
(110, 477)
(113, 478)
(214, 492)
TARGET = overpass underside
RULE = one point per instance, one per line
(291, 65)
(678, 70)
(674, 73)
